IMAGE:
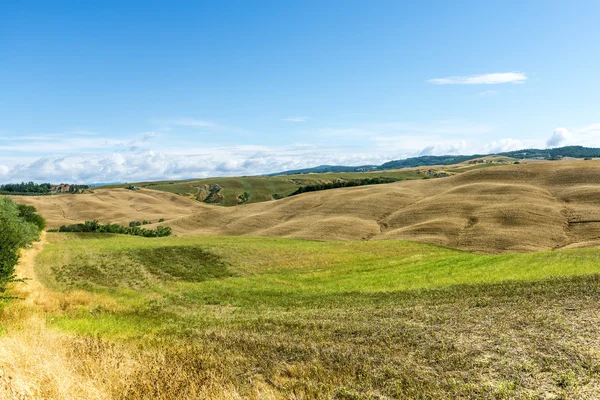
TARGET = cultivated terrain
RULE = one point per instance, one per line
(239, 304)
(508, 208)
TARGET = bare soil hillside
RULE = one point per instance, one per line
(527, 207)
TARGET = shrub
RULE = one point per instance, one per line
(132, 229)
(344, 183)
(19, 226)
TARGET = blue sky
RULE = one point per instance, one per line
(132, 90)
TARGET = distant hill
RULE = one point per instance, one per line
(422, 161)
(322, 169)
(559, 152)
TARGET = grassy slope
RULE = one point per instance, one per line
(338, 319)
(262, 188)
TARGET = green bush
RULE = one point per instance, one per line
(344, 183)
(132, 229)
(19, 226)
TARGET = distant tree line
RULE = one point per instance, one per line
(555, 153)
(426, 160)
(19, 226)
(30, 187)
(423, 161)
(344, 183)
(36, 189)
(96, 227)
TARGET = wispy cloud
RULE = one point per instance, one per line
(295, 119)
(483, 79)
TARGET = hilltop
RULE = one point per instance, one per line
(508, 208)
(428, 160)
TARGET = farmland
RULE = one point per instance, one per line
(278, 318)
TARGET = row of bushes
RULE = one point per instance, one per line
(19, 227)
(344, 183)
(96, 227)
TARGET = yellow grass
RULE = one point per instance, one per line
(37, 362)
(111, 206)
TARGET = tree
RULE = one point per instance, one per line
(19, 226)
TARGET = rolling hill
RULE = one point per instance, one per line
(112, 206)
(229, 190)
(527, 207)
(538, 206)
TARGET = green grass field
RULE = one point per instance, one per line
(348, 320)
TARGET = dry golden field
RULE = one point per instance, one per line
(112, 206)
(529, 207)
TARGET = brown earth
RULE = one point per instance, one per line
(528, 207)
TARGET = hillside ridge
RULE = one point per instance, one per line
(512, 208)
(429, 160)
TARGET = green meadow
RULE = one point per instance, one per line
(283, 318)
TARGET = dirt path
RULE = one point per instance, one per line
(34, 360)
(10, 387)
(26, 269)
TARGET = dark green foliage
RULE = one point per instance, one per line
(243, 198)
(19, 226)
(425, 161)
(187, 263)
(27, 213)
(140, 223)
(555, 154)
(30, 187)
(344, 183)
(139, 268)
(35, 189)
(214, 195)
(132, 229)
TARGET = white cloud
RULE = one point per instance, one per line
(131, 159)
(295, 119)
(484, 79)
(508, 144)
(559, 136)
(181, 164)
(439, 149)
(588, 136)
